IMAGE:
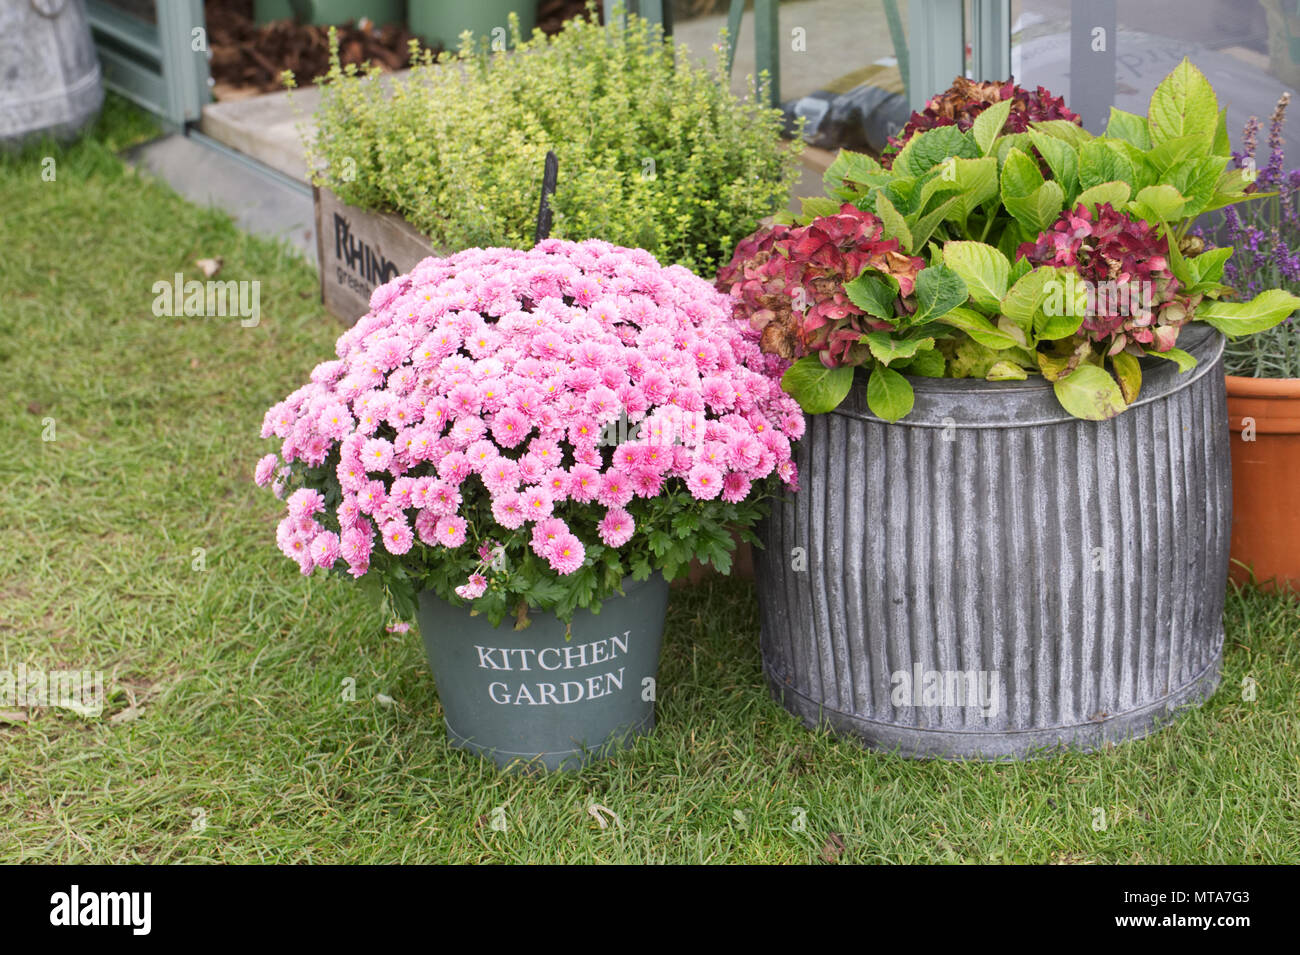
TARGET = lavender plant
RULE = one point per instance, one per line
(1266, 236)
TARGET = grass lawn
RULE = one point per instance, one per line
(227, 737)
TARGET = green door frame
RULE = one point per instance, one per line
(155, 65)
(936, 50)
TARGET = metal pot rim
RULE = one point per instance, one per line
(973, 403)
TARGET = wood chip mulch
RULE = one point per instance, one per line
(248, 58)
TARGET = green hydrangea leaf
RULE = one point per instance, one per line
(818, 389)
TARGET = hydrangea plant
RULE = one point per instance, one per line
(1046, 250)
(526, 429)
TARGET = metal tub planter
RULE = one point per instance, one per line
(994, 578)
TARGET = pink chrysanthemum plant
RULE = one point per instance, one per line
(524, 430)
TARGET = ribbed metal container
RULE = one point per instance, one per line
(49, 76)
(1076, 568)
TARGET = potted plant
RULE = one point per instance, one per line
(1012, 526)
(1264, 370)
(655, 152)
(519, 448)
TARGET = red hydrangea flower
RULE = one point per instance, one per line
(965, 99)
(1119, 256)
(787, 284)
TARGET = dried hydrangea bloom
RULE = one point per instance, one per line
(1133, 295)
(787, 286)
(966, 99)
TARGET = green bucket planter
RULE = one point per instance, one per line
(443, 21)
(330, 11)
(532, 697)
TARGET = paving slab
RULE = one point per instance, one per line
(261, 203)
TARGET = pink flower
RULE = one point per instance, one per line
(615, 489)
(377, 454)
(584, 482)
(325, 549)
(735, 487)
(397, 537)
(510, 428)
(305, 502)
(508, 510)
(566, 554)
(704, 481)
(475, 587)
(616, 527)
(450, 531)
(426, 526)
(265, 470)
(546, 532)
(537, 503)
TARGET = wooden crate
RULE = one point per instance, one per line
(359, 250)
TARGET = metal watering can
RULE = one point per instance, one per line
(50, 82)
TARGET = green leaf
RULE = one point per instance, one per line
(938, 291)
(851, 167)
(1129, 372)
(927, 364)
(1174, 151)
(1006, 371)
(893, 223)
(1129, 127)
(1020, 176)
(942, 179)
(1162, 202)
(873, 295)
(925, 226)
(1038, 210)
(1090, 393)
(1009, 141)
(889, 394)
(989, 123)
(1235, 319)
(926, 150)
(979, 328)
(1208, 266)
(1183, 105)
(1024, 300)
(814, 206)
(1198, 180)
(1061, 158)
(1222, 143)
(983, 268)
(1072, 133)
(1059, 317)
(818, 389)
(1103, 160)
(886, 348)
(978, 182)
(1116, 193)
(1184, 361)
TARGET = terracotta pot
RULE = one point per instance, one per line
(1264, 416)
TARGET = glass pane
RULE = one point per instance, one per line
(1249, 49)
